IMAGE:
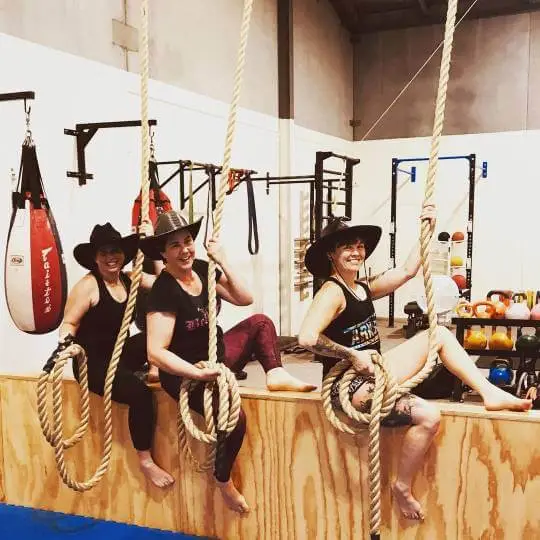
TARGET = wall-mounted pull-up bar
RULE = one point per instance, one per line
(84, 134)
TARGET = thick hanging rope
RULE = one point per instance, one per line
(387, 390)
(229, 397)
(74, 351)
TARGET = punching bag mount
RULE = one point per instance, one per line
(84, 134)
(17, 96)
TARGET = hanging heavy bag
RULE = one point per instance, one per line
(34, 270)
(159, 203)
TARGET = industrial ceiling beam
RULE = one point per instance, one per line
(408, 18)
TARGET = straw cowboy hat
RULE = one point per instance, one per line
(167, 223)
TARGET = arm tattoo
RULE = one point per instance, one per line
(327, 347)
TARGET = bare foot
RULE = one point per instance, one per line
(155, 474)
(232, 497)
(409, 506)
(279, 379)
(496, 399)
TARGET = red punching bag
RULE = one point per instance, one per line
(159, 202)
(34, 270)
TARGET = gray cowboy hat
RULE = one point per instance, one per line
(103, 235)
(317, 261)
(167, 223)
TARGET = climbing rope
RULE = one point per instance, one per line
(228, 410)
(53, 375)
(387, 390)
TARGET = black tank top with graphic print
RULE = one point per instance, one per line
(354, 327)
(191, 333)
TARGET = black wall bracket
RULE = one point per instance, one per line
(84, 134)
(17, 96)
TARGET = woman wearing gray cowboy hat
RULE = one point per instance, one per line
(341, 324)
(178, 334)
(93, 317)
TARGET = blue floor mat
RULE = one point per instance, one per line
(20, 522)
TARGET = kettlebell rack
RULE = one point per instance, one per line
(463, 323)
(396, 162)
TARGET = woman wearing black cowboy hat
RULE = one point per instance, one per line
(177, 326)
(341, 324)
(93, 316)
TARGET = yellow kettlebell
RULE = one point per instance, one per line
(475, 339)
(501, 340)
(464, 309)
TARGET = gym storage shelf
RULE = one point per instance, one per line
(463, 323)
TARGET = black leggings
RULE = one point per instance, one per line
(127, 388)
(254, 335)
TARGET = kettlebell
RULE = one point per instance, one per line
(475, 339)
(501, 303)
(464, 309)
(486, 313)
(535, 311)
(500, 340)
(527, 343)
(500, 372)
(518, 308)
(456, 260)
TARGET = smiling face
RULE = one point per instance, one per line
(110, 260)
(348, 256)
(179, 251)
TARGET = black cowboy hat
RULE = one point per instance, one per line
(317, 261)
(102, 235)
(167, 223)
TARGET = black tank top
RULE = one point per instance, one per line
(354, 327)
(101, 323)
(191, 333)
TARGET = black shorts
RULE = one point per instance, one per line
(399, 416)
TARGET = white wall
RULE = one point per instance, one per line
(505, 253)
(71, 90)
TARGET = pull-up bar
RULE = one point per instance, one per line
(412, 172)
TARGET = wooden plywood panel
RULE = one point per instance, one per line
(301, 478)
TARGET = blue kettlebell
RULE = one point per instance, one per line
(500, 372)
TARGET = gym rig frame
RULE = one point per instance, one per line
(415, 319)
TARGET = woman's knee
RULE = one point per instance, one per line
(444, 336)
(261, 319)
(426, 414)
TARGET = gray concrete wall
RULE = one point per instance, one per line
(494, 82)
(323, 62)
(193, 45)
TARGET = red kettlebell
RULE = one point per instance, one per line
(501, 303)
